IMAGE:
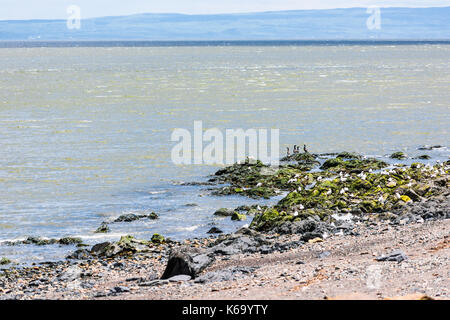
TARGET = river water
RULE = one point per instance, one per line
(85, 131)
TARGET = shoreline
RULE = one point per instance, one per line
(336, 268)
(324, 220)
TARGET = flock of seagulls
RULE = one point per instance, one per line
(296, 150)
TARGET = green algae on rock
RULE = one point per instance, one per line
(423, 157)
(349, 155)
(363, 193)
(104, 228)
(129, 217)
(158, 239)
(5, 261)
(44, 242)
(224, 212)
(398, 155)
(127, 245)
(238, 216)
(356, 165)
(70, 241)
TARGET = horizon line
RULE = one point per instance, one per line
(225, 13)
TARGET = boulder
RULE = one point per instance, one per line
(214, 230)
(129, 217)
(398, 155)
(224, 212)
(104, 228)
(238, 216)
(396, 255)
(183, 262)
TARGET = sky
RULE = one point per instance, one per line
(57, 9)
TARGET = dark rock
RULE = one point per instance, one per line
(214, 230)
(70, 241)
(348, 155)
(181, 261)
(80, 254)
(104, 228)
(282, 247)
(133, 217)
(158, 239)
(132, 279)
(39, 241)
(191, 205)
(239, 243)
(120, 289)
(311, 235)
(265, 249)
(224, 212)
(100, 295)
(126, 245)
(305, 226)
(423, 157)
(238, 216)
(118, 265)
(87, 285)
(99, 248)
(396, 255)
(153, 283)
(429, 147)
(398, 155)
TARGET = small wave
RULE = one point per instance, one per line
(102, 236)
(157, 192)
(191, 228)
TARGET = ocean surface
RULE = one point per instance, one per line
(85, 131)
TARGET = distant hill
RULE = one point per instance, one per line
(335, 24)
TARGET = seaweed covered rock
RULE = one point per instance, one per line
(310, 228)
(70, 241)
(129, 217)
(269, 219)
(104, 228)
(302, 158)
(125, 246)
(349, 155)
(353, 165)
(224, 212)
(238, 216)
(38, 241)
(255, 193)
(393, 190)
(158, 239)
(423, 157)
(265, 183)
(80, 254)
(398, 155)
(243, 241)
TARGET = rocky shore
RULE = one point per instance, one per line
(348, 227)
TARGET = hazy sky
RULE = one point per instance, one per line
(52, 9)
